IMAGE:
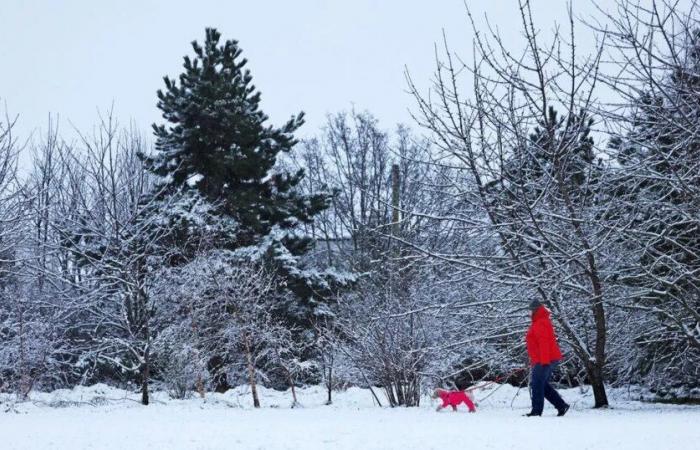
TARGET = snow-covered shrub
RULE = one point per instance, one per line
(181, 366)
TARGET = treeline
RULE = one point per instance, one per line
(230, 253)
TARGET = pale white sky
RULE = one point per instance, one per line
(73, 57)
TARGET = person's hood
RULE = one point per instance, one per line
(540, 313)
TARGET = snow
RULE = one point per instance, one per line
(105, 418)
(194, 179)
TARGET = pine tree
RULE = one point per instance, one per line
(217, 143)
(217, 152)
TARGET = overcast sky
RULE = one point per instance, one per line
(73, 57)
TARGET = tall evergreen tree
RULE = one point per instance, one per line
(218, 153)
(216, 141)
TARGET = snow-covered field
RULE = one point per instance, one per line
(101, 417)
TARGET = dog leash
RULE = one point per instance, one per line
(496, 380)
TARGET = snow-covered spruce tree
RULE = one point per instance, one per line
(217, 152)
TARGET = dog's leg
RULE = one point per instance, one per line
(444, 404)
(470, 404)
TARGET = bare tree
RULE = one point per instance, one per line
(113, 241)
(24, 330)
(373, 173)
(524, 179)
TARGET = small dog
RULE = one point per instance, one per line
(454, 398)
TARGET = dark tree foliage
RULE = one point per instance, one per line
(217, 152)
(659, 160)
(559, 146)
(216, 141)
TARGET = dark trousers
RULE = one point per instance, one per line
(541, 389)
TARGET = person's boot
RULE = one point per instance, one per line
(532, 414)
(562, 411)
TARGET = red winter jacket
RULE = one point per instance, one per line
(541, 343)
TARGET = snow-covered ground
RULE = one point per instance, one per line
(104, 418)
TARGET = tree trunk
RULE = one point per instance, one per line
(598, 379)
(251, 372)
(24, 379)
(200, 383)
(595, 369)
(145, 375)
(600, 397)
(294, 393)
(329, 385)
(200, 386)
(595, 364)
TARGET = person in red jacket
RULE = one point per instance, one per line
(544, 356)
